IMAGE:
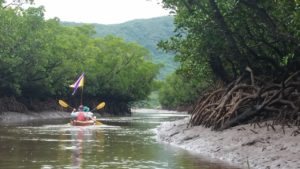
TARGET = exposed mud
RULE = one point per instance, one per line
(13, 118)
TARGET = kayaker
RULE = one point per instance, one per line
(81, 114)
(74, 114)
(88, 114)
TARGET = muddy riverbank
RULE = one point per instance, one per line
(11, 118)
(241, 146)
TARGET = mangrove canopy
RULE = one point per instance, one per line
(246, 55)
(40, 58)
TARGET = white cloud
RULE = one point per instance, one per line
(101, 11)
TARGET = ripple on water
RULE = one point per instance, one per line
(126, 142)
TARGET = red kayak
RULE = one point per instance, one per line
(83, 123)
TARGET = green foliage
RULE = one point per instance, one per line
(150, 102)
(119, 69)
(147, 33)
(223, 37)
(178, 91)
(39, 59)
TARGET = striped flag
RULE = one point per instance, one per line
(79, 83)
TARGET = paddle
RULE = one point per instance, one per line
(64, 104)
(99, 106)
(98, 122)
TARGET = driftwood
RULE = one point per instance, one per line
(250, 100)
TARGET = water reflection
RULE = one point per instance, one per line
(84, 142)
(124, 142)
(78, 137)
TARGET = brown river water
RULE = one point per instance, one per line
(121, 143)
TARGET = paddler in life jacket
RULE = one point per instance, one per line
(81, 114)
(73, 115)
(88, 114)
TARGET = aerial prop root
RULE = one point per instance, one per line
(250, 101)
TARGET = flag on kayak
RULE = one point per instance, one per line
(79, 83)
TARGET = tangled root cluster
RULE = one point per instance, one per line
(250, 100)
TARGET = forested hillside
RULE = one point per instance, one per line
(146, 32)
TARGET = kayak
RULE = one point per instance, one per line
(83, 123)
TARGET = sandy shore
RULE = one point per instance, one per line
(238, 146)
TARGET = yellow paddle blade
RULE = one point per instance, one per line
(100, 106)
(98, 123)
(63, 104)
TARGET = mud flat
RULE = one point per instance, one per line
(260, 148)
(12, 118)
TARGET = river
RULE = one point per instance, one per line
(122, 142)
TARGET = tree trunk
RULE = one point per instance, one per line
(218, 68)
(219, 19)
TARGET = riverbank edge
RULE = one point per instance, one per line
(15, 118)
(11, 118)
(240, 146)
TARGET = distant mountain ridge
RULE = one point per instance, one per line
(146, 32)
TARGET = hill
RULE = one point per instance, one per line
(147, 33)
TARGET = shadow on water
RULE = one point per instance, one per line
(122, 142)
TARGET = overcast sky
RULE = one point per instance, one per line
(102, 11)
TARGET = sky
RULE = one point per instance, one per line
(102, 11)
